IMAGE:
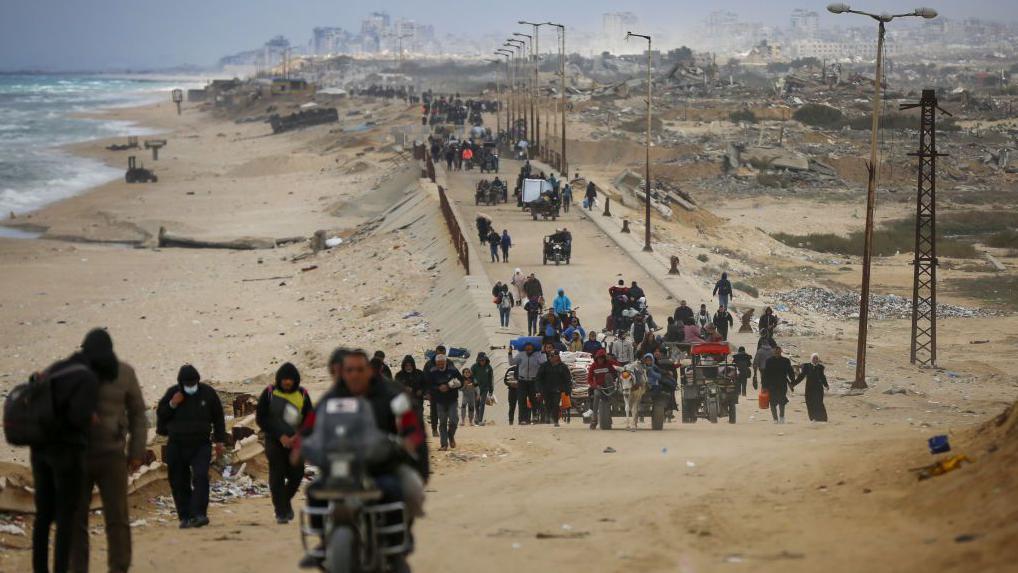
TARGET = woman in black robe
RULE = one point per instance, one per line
(778, 376)
(816, 383)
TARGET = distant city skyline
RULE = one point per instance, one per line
(116, 34)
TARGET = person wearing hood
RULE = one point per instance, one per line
(383, 368)
(768, 321)
(778, 378)
(188, 413)
(744, 366)
(116, 448)
(484, 376)
(592, 345)
(649, 344)
(553, 380)
(282, 408)
(562, 306)
(506, 244)
(59, 464)
(635, 292)
(576, 342)
(412, 379)
(816, 383)
(723, 290)
(517, 281)
(723, 321)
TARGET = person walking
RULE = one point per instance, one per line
(281, 410)
(768, 322)
(683, 314)
(553, 380)
(187, 414)
(412, 379)
(567, 197)
(494, 241)
(590, 197)
(432, 407)
(527, 363)
(764, 351)
(383, 368)
(444, 382)
(506, 244)
(116, 448)
(743, 366)
(58, 462)
(723, 321)
(517, 282)
(532, 288)
(533, 310)
(601, 371)
(484, 377)
(723, 290)
(703, 318)
(778, 377)
(816, 383)
(505, 306)
(468, 397)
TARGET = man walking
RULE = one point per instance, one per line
(723, 321)
(507, 243)
(778, 377)
(444, 383)
(553, 380)
(723, 290)
(282, 408)
(188, 414)
(527, 364)
(58, 462)
(591, 196)
(120, 423)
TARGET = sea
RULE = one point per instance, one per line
(40, 113)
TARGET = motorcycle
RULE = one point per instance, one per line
(361, 526)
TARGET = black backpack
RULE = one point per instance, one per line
(29, 412)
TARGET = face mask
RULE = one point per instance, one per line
(191, 390)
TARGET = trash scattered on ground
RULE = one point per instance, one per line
(941, 467)
(690, 464)
(939, 444)
(965, 538)
(139, 523)
(609, 450)
(332, 242)
(845, 304)
(895, 390)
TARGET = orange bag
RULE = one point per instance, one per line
(764, 398)
(567, 402)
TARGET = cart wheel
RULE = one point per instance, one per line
(604, 414)
(731, 413)
(657, 416)
(712, 411)
(544, 260)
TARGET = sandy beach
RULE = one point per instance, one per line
(746, 497)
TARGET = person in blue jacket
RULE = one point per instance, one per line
(562, 305)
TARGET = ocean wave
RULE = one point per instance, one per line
(76, 175)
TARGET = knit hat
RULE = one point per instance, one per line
(287, 372)
(187, 374)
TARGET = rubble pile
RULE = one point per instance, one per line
(882, 307)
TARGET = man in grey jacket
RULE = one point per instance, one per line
(527, 364)
(116, 447)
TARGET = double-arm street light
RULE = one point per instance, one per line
(646, 238)
(536, 44)
(519, 45)
(871, 189)
(563, 165)
(529, 42)
(498, 96)
(508, 95)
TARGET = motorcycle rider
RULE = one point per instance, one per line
(395, 415)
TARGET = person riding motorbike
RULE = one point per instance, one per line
(394, 415)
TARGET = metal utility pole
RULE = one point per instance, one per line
(924, 278)
(871, 188)
(536, 44)
(508, 91)
(646, 238)
(563, 164)
(532, 92)
(498, 97)
(521, 101)
(400, 41)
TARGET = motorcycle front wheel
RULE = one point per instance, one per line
(341, 554)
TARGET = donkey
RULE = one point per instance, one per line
(633, 381)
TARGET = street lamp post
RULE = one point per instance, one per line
(564, 165)
(535, 111)
(498, 97)
(871, 188)
(508, 93)
(521, 46)
(646, 237)
(531, 92)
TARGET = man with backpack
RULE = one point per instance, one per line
(116, 448)
(53, 414)
(188, 414)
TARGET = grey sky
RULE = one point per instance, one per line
(100, 34)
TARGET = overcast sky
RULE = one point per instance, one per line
(103, 34)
